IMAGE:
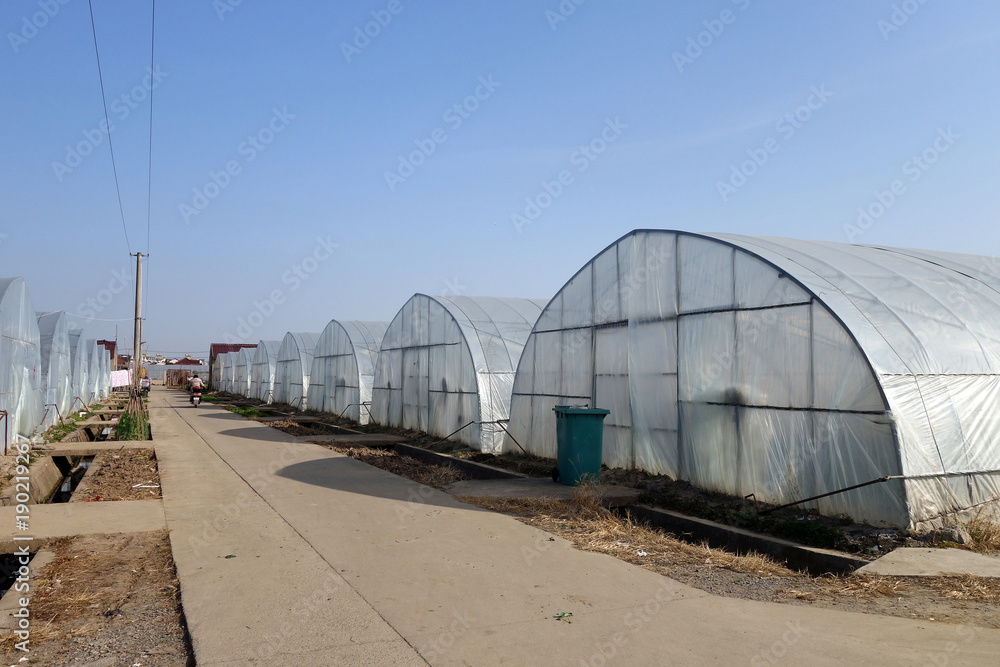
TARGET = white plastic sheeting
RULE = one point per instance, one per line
(262, 374)
(292, 368)
(242, 369)
(56, 365)
(343, 368)
(95, 370)
(217, 373)
(781, 368)
(20, 360)
(448, 361)
(80, 361)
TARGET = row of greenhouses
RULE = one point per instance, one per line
(863, 378)
(47, 368)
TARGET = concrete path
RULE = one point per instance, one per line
(921, 562)
(67, 519)
(291, 554)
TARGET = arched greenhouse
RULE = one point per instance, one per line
(56, 365)
(343, 368)
(786, 369)
(20, 360)
(262, 374)
(448, 361)
(95, 370)
(81, 369)
(242, 370)
(291, 370)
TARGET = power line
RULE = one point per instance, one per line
(149, 167)
(107, 120)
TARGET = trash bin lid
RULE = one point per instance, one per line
(579, 410)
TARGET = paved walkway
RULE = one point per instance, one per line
(288, 553)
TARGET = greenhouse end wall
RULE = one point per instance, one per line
(343, 368)
(449, 361)
(719, 368)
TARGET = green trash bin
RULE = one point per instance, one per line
(580, 438)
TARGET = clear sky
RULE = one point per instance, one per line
(482, 148)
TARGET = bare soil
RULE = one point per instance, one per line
(106, 600)
(125, 474)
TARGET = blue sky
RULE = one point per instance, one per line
(272, 142)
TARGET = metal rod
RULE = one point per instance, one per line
(831, 493)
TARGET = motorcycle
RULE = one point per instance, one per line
(195, 396)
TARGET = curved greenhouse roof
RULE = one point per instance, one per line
(782, 368)
(343, 368)
(292, 367)
(243, 368)
(262, 373)
(56, 365)
(448, 361)
(20, 360)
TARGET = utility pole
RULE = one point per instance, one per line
(137, 340)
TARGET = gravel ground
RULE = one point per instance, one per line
(105, 601)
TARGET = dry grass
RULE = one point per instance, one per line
(985, 534)
(868, 586)
(591, 527)
(968, 587)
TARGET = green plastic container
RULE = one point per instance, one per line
(580, 439)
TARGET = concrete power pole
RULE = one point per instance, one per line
(137, 340)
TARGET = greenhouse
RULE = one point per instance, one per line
(81, 367)
(95, 370)
(292, 367)
(216, 373)
(449, 361)
(242, 369)
(56, 365)
(783, 369)
(262, 374)
(225, 375)
(343, 368)
(20, 360)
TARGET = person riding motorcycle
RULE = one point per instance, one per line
(196, 385)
